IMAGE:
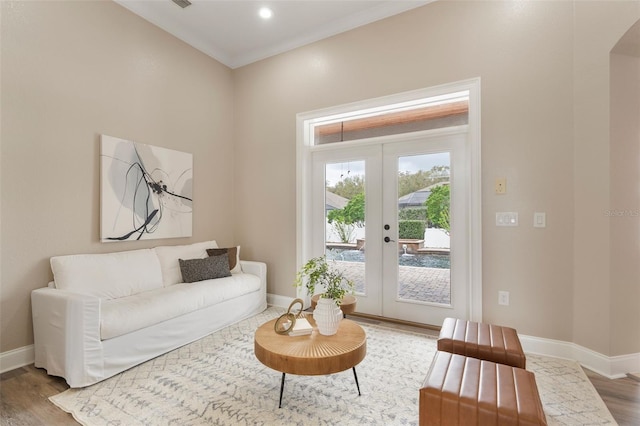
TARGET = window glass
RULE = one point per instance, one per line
(395, 121)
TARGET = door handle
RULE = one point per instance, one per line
(388, 240)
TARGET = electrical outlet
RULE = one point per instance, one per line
(503, 298)
(539, 220)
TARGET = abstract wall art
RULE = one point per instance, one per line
(146, 192)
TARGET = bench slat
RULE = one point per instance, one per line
(483, 341)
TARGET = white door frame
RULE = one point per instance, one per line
(454, 141)
(304, 148)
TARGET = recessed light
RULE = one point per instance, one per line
(265, 13)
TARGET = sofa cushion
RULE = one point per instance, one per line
(234, 257)
(122, 316)
(209, 268)
(110, 275)
(169, 255)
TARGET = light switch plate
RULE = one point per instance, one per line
(539, 220)
(507, 219)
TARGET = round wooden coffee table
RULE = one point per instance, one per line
(313, 354)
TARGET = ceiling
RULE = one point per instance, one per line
(231, 31)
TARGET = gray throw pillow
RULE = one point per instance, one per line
(204, 269)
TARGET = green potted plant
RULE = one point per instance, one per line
(318, 272)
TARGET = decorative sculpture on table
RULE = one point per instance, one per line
(293, 322)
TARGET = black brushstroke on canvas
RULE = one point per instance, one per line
(139, 229)
(148, 187)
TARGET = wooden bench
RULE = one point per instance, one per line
(483, 341)
(460, 390)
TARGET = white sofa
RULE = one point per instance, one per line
(105, 313)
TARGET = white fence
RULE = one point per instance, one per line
(433, 238)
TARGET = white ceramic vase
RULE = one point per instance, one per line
(327, 316)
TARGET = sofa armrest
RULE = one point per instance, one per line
(66, 329)
(256, 268)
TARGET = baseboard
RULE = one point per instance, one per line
(613, 367)
(16, 358)
(277, 300)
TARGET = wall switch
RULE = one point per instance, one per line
(539, 220)
(507, 219)
(503, 298)
(501, 185)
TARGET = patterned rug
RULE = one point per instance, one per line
(218, 381)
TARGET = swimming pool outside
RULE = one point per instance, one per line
(420, 284)
(428, 260)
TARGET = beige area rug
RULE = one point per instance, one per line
(218, 381)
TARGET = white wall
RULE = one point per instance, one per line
(545, 108)
(624, 212)
(71, 71)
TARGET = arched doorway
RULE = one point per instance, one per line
(624, 166)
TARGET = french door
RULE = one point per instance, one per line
(401, 270)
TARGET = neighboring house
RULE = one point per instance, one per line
(334, 201)
(417, 198)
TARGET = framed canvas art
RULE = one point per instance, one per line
(146, 192)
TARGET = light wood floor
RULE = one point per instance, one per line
(622, 396)
(24, 393)
(24, 399)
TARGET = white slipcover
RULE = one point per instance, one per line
(110, 275)
(127, 314)
(87, 337)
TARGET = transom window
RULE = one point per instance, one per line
(422, 114)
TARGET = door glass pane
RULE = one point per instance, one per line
(424, 272)
(345, 219)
